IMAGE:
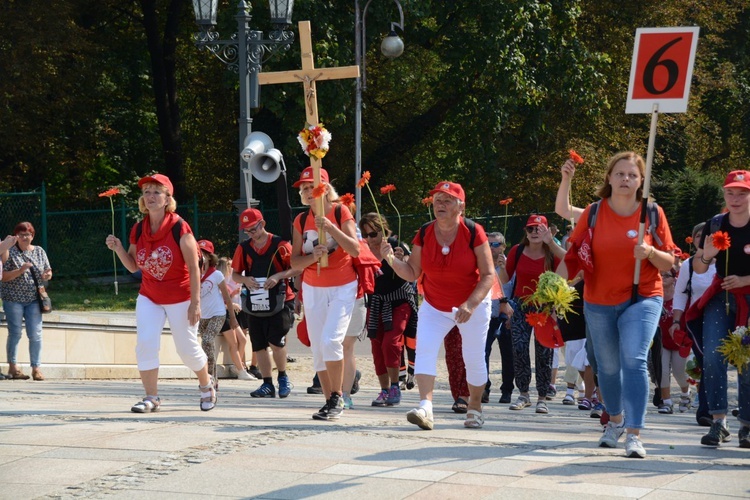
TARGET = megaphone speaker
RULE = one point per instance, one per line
(266, 167)
(256, 143)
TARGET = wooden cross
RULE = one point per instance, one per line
(308, 76)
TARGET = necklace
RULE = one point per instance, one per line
(446, 249)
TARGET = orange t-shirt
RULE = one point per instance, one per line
(611, 283)
(340, 270)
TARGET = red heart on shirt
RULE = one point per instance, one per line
(157, 263)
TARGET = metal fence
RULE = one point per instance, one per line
(74, 239)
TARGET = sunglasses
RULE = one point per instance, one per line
(532, 229)
(495, 244)
(373, 234)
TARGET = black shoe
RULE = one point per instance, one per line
(717, 434)
(505, 398)
(253, 370)
(656, 400)
(315, 389)
(410, 382)
(355, 385)
(705, 421)
(335, 407)
(322, 414)
(290, 359)
(736, 412)
(744, 437)
(486, 396)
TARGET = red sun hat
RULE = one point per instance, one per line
(206, 246)
(738, 179)
(307, 176)
(250, 217)
(450, 188)
(157, 179)
(536, 220)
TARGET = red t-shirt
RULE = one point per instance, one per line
(448, 280)
(340, 269)
(284, 250)
(165, 276)
(611, 283)
(528, 272)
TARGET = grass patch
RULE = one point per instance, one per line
(73, 295)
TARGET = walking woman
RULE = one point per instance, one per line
(163, 247)
(621, 331)
(19, 294)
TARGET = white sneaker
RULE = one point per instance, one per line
(243, 375)
(612, 434)
(420, 417)
(634, 447)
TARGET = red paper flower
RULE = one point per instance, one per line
(109, 193)
(319, 191)
(684, 256)
(689, 240)
(347, 199)
(575, 157)
(387, 189)
(364, 180)
(506, 201)
(537, 319)
(427, 201)
(721, 240)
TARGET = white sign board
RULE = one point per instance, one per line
(662, 69)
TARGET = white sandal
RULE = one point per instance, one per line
(474, 419)
(148, 404)
(208, 396)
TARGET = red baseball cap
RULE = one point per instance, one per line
(536, 220)
(738, 179)
(307, 176)
(157, 179)
(450, 188)
(206, 246)
(250, 217)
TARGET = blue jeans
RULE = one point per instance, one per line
(15, 312)
(716, 327)
(621, 337)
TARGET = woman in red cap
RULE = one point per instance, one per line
(328, 293)
(538, 253)
(731, 285)
(163, 248)
(453, 257)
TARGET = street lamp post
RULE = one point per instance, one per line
(244, 53)
(392, 46)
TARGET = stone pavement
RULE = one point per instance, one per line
(78, 439)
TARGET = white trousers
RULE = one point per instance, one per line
(328, 310)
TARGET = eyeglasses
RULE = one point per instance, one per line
(495, 244)
(25, 235)
(532, 229)
(373, 234)
(253, 230)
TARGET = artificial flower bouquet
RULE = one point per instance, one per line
(736, 348)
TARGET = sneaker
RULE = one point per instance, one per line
(421, 417)
(521, 403)
(486, 396)
(541, 407)
(336, 407)
(717, 434)
(744, 437)
(504, 398)
(597, 410)
(264, 391)
(569, 400)
(634, 447)
(253, 370)
(284, 386)
(665, 409)
(585, 404)
(394, 396)
(315, 389)
(612, 434)
(381, 400)
(243, 375)
(736, 412)
(322, 414)
(348, 403)
(705, 421)
(551, 392)
(355, 384)
(685, 402)
(410, 383)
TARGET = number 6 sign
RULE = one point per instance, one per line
(662, 69)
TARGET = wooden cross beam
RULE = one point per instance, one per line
(308, 76)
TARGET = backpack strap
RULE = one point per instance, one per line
(715, 223)
(592, 214)
(470, 225)
(247, 249)
(652, 210)
(176, 230)
(519, 251)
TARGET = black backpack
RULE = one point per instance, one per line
(263, 303)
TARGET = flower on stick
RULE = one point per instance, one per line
(575, 157)
(721, 241)
(505, 203)
(428, 201)
(388, 189)
(578, 160)
(365, 181)
(110, 193)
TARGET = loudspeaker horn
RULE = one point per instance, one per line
(266, 167)
(256, 143)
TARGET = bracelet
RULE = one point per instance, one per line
(504, 300)
(707, 262)
(651, 253)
